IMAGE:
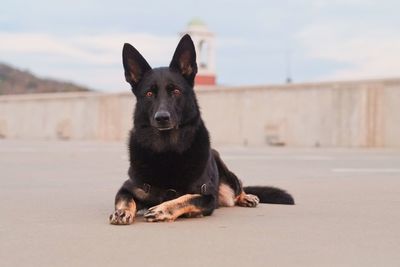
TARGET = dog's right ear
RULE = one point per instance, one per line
(135, 65)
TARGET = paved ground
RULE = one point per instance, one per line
(56, 197)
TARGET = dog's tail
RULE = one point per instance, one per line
(269, 194)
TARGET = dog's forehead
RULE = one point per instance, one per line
(164, 76)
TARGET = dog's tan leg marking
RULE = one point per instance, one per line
(226, 196)
(247, 200)
(171, 210)
(124, 213)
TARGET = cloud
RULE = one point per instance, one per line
(95, 60)
(364, 50)
(85, 59)
(329, 3)
(93, 49)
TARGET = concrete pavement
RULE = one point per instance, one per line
(56, 198)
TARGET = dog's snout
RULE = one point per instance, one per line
(162, 116)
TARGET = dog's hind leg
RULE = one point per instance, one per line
(230, 189)
(125, 206)
(190, 205)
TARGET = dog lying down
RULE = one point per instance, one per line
(173, 170)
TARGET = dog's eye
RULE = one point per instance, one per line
(149, 94)
(177, 92)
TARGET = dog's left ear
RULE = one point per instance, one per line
(184, 59)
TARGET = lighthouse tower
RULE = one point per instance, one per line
(204, 43)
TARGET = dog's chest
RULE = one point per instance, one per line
(184, 173)
(168, 170)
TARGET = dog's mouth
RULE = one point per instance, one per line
(165, 128)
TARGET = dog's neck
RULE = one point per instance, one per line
(173, 160)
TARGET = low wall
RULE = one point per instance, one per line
(343, 114)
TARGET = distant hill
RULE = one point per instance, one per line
(14, 81)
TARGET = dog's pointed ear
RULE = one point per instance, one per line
(184, 59)
(135, 65)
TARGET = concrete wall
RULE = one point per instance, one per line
(66, 116)
(345, 114)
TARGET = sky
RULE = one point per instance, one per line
(258, 42)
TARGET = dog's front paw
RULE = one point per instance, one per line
(159, 213)
(248, 200)
(122, 217)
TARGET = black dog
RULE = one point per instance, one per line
(173, 171)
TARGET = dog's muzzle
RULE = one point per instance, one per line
(163, 120)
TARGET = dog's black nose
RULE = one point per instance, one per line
(162, 116)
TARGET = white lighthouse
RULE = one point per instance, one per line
(204, 43)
